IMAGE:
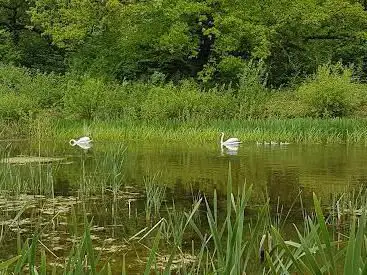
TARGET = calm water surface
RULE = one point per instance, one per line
(107, 183)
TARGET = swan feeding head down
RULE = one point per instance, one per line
(83, 141)
(230, 141)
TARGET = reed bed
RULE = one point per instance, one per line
(298, 130)
(237, 245)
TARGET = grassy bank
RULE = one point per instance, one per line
(298, 130)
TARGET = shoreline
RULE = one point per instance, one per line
(297, 130)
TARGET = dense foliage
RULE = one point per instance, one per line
(24, 94)
(208, 58)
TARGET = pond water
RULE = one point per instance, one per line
(108, 183)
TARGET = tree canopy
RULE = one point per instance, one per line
(210, 40)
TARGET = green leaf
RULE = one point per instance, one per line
(153, 251)
(6, 264)
(324, 233)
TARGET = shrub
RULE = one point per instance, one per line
(284, 104)
(252, 94)
(126, 99)
(8, 51)
(15, 107)
(46, 90)
(330, 92)
(230, 68)
(217, 104)
(14, 79)
(186, 101)
(161, 103)
(84, 97)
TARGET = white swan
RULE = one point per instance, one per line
(85, 146)
(84, 141)
(230, 141)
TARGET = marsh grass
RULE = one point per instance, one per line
(32, 256)
(155, 194)
(297, 130)
(316, 252)
(294, 130)
(230, 246)
(37, 174)
(103, 174)
(31, 178)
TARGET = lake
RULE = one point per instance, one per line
(110, 182)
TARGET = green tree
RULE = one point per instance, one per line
(208, 39)
(311, 33)
(22, 43)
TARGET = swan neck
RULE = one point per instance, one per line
(72, 142)
(221, 138)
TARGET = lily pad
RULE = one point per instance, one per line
(29, 159)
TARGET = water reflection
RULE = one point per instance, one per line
(107, 183)
(229, 149)
(280, 170)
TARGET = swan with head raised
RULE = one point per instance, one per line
(230, 141)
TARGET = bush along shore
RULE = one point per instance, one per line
(327, 107)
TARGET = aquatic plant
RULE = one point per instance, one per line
(316, 252)
(155, 194)
(208, 238)
(229, 246)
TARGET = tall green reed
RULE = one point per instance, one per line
(155, 194)
(82, 258)
(296, 130)
(316, 251)
(229, 245)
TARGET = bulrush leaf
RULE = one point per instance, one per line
(324, 233)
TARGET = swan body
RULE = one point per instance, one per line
(83, 141)
(230, 141)
(85, 146)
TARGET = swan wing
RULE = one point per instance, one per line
(232, 140)
(85, 146)
(84, 139)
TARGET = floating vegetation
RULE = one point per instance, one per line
(111, 248)
(180, 261)
(29, 159)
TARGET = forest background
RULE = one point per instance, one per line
(182, 60)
